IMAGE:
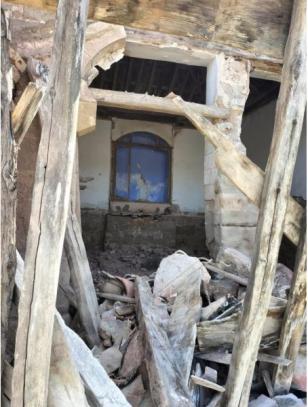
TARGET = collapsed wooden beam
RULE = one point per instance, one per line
(274, 202)
(239, 169)
(81, 279)
(294, 321)
(8, 185)
(26, 109)
(148, 103)
(50, 203)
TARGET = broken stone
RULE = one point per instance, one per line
(173, 273)
(222, 288)
(234, 261)
(123, 310)
(289, 400)
(263, 401)
(107, 305)
(134, 392)
(282, 282)
(110, 358)
(133, 356)
(115, 328)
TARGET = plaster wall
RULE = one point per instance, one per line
(187, 162)
(95, 166)
(257, 131)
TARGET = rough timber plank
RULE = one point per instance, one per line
(50, 202)
(277, 183)
(149, 103)
(8, 184)
(293, 324)
(241, 25)
(239, 169)
(167, 385)
(25, 110)
(81, 279)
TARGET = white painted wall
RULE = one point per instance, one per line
(187, 162)
(257, 131)
(187, 169)
(95, 162)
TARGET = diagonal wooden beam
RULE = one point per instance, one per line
(274, 204)
(294, 320)
(238, 168)
(26, 109)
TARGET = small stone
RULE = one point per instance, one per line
(110, 358)
(289, 400)
(263, 401)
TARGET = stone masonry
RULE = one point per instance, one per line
(230, 220)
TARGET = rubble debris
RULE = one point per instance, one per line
(288, 400)
(282, 282)
(299, 381)
(114, 329)
(263, 401)
(234, 261)
(134, 392)
(110, 358)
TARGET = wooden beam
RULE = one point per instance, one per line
(244, 30)
(207, 383)
(26, 109)
(82, 281)
(8, 184)
(148, 103)
(50, 203)
(239, 169)
(294, 320)
(277, 184)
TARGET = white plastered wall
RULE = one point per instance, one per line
(187, 169)
(95, 166)
(187, 162)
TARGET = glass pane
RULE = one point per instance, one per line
(149, 175)
(121, 182)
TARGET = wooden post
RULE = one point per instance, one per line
(50, 203)
(293, 324)
(8, 184)
(277, 184)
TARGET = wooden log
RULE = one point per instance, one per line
(243, 30)
(222, 332)
(50, 203)
(148, 103)
(239, 169)
(240, 280)
(82, 281)
(207, 383)
(277, 183)
(225, 358)
(211, 309)
(116, 297)
(26, 109)
(167, 385)
(8, 185)
(267, 381)
(294, 320)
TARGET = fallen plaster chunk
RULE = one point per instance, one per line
(263, 401)
(110, 358)
(100, 389)
(289, 400)
(135, 392)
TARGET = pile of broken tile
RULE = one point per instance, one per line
(166, 339)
